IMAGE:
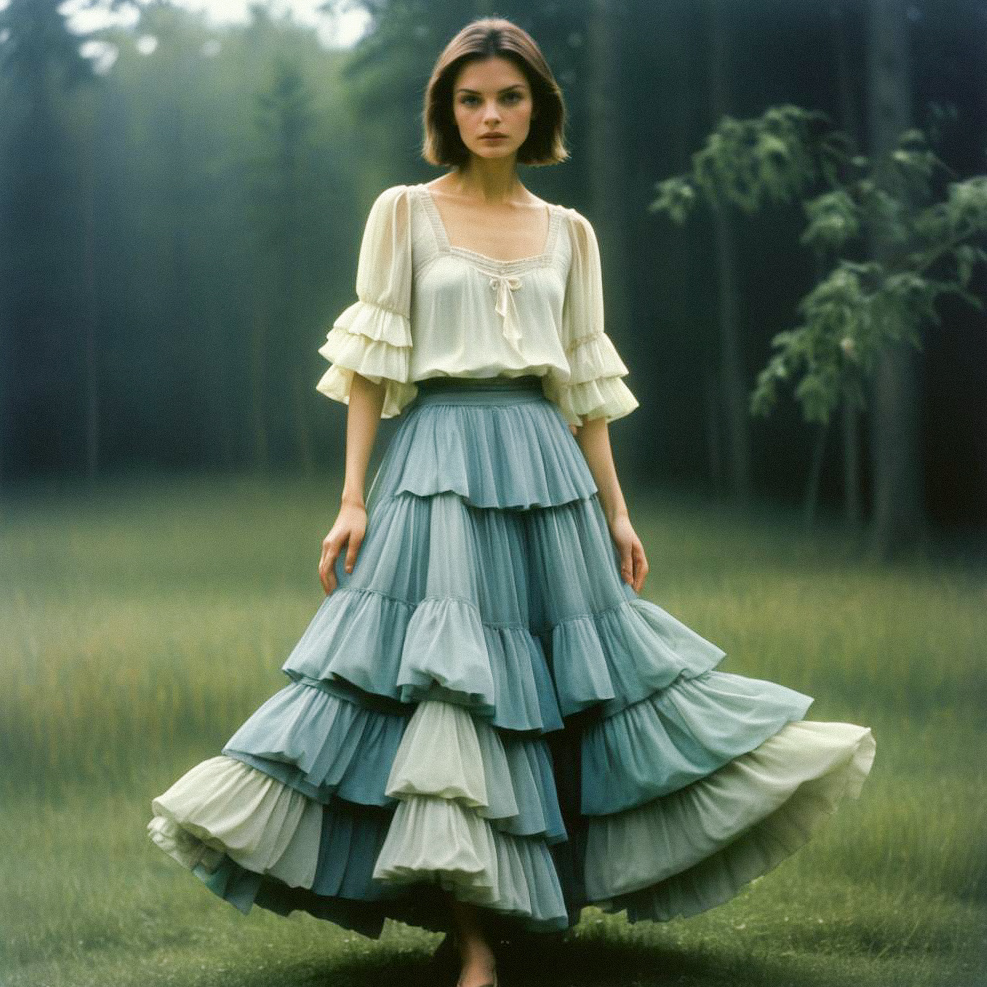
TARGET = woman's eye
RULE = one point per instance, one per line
(510, 97)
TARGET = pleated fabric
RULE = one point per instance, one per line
(484, 709)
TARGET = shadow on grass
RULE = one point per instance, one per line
(551, 961)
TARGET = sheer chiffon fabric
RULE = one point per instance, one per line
(425, 308)
(483, 708)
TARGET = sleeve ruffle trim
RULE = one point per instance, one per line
(608, 397)
(593, 357)
(376, 343)
(594, 388)
(366, 318)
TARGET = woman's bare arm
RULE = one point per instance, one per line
(362, 418)
(593, 438)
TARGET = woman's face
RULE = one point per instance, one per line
(492, 97)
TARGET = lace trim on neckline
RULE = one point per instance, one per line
(497, 264)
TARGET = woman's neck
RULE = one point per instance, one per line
(489, 181)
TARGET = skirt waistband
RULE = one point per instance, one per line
(479, 390)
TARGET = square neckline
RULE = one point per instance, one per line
(446, 246)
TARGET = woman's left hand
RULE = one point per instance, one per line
(633, 562)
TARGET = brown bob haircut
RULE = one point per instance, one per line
(484, 38)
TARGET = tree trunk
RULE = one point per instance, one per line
(606, 152)
(296, 257)
(714, 437)
(90, 308)
(221, 397)
(731, 349)
(898, 502)
(850, 420)
(849, 120)
(811, 502)
(258, 379)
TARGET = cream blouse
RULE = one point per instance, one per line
(426, 308)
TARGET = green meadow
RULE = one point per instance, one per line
(141, 622)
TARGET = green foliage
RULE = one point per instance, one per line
(926, 248)
(676, 197)
(745, 162)
(834, 219)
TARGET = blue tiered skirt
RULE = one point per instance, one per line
(484, 707)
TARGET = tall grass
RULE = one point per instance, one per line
(142, 622)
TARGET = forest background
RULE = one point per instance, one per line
(181, 203)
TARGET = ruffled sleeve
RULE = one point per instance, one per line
(594, 388)
(372, 336)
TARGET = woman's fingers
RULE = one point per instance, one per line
(327, 576)
(641, 567)
(328, 581)
(331, 546)
(348, 530)
(355, 541)
(627, 561)
(633, 563)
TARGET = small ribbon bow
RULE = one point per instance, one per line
(505, 285)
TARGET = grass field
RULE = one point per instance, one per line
(142, 622)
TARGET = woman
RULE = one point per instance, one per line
(485, 722)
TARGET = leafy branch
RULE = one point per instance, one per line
(929, 249)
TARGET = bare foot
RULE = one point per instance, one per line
(479, 967)
(478, 971)
(479, 962)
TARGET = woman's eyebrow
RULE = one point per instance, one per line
(463, 89)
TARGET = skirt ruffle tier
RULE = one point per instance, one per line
(483, 707)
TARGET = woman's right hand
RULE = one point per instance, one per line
(348, 529)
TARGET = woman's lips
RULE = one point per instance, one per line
(493, 137)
